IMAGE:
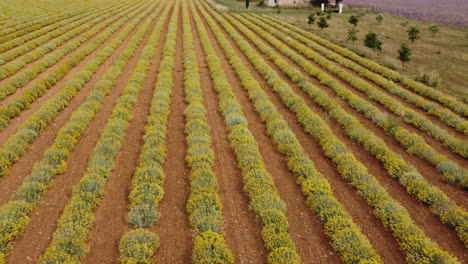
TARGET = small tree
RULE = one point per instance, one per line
(413, 34)
(372, 42)
(434, 29)
(353, 20)
(322, 23)
(311, 20)
(328, 13)
(404, 53)
(352, 34)
(379, 18)
(404, 23)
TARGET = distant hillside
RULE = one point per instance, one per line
(452, 12)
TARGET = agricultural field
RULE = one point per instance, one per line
(172, 131)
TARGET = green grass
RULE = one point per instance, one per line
(445, 54)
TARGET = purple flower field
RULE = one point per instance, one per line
(452, 12)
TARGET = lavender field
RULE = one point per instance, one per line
(452, 12)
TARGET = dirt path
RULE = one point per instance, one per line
(241, 228)
(173, 228)
(33, 243)
(24, 165)
(420, 213)
(110, 222)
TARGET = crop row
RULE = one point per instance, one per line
(413, 143)
(19, 46)
(18, 105)
(43, 25)
(17, 144)
(409, 116)
(68, 243)
(392, 215)
(452, 103)
(139, 244)
(204, 205)
(32, 72)
(23, 24)
(50, 41)
(397, 167)
(258, 183)
(14, 215)
(347, 238)
(445, 115)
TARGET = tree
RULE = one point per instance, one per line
(379, 18)
(413, 34)
(352, 34)
(434, 29)
(404, 53)
(247, 3)
(372, 42)
(322, 23)
(353, 20)
(311, 19)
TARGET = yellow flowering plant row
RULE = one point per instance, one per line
(139, 244)
(459, 146)
(451, 214)
(68, 243)
(14, 215)
(419, 88)
(47, 35)
(204, 205)
(445, 115)
(392, 215)
(451, 171)
(18, 143)
(347, 239)
(31, 73)
(258, 183)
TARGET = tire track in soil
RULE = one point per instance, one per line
(16, 122)
(381, 239)
(35, 62)
(110, 223)
(305, 227)
(24, 166)
(421, 214)
(430, 173)
(241, 228)
(32, 243)
(173, 228)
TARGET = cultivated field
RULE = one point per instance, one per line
(151, 131)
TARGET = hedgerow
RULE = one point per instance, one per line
(14, 215)
(69, 239)
(451, 214)
(392, 215)
(17, 144)
(346, 237)
(147, 184)
(258, 183)
(412, 142)
(452, 103)
(204, 204)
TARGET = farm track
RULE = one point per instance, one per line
(242, 230)
(429, 172)
(420, 213)
(45, 218)
(244, 226)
